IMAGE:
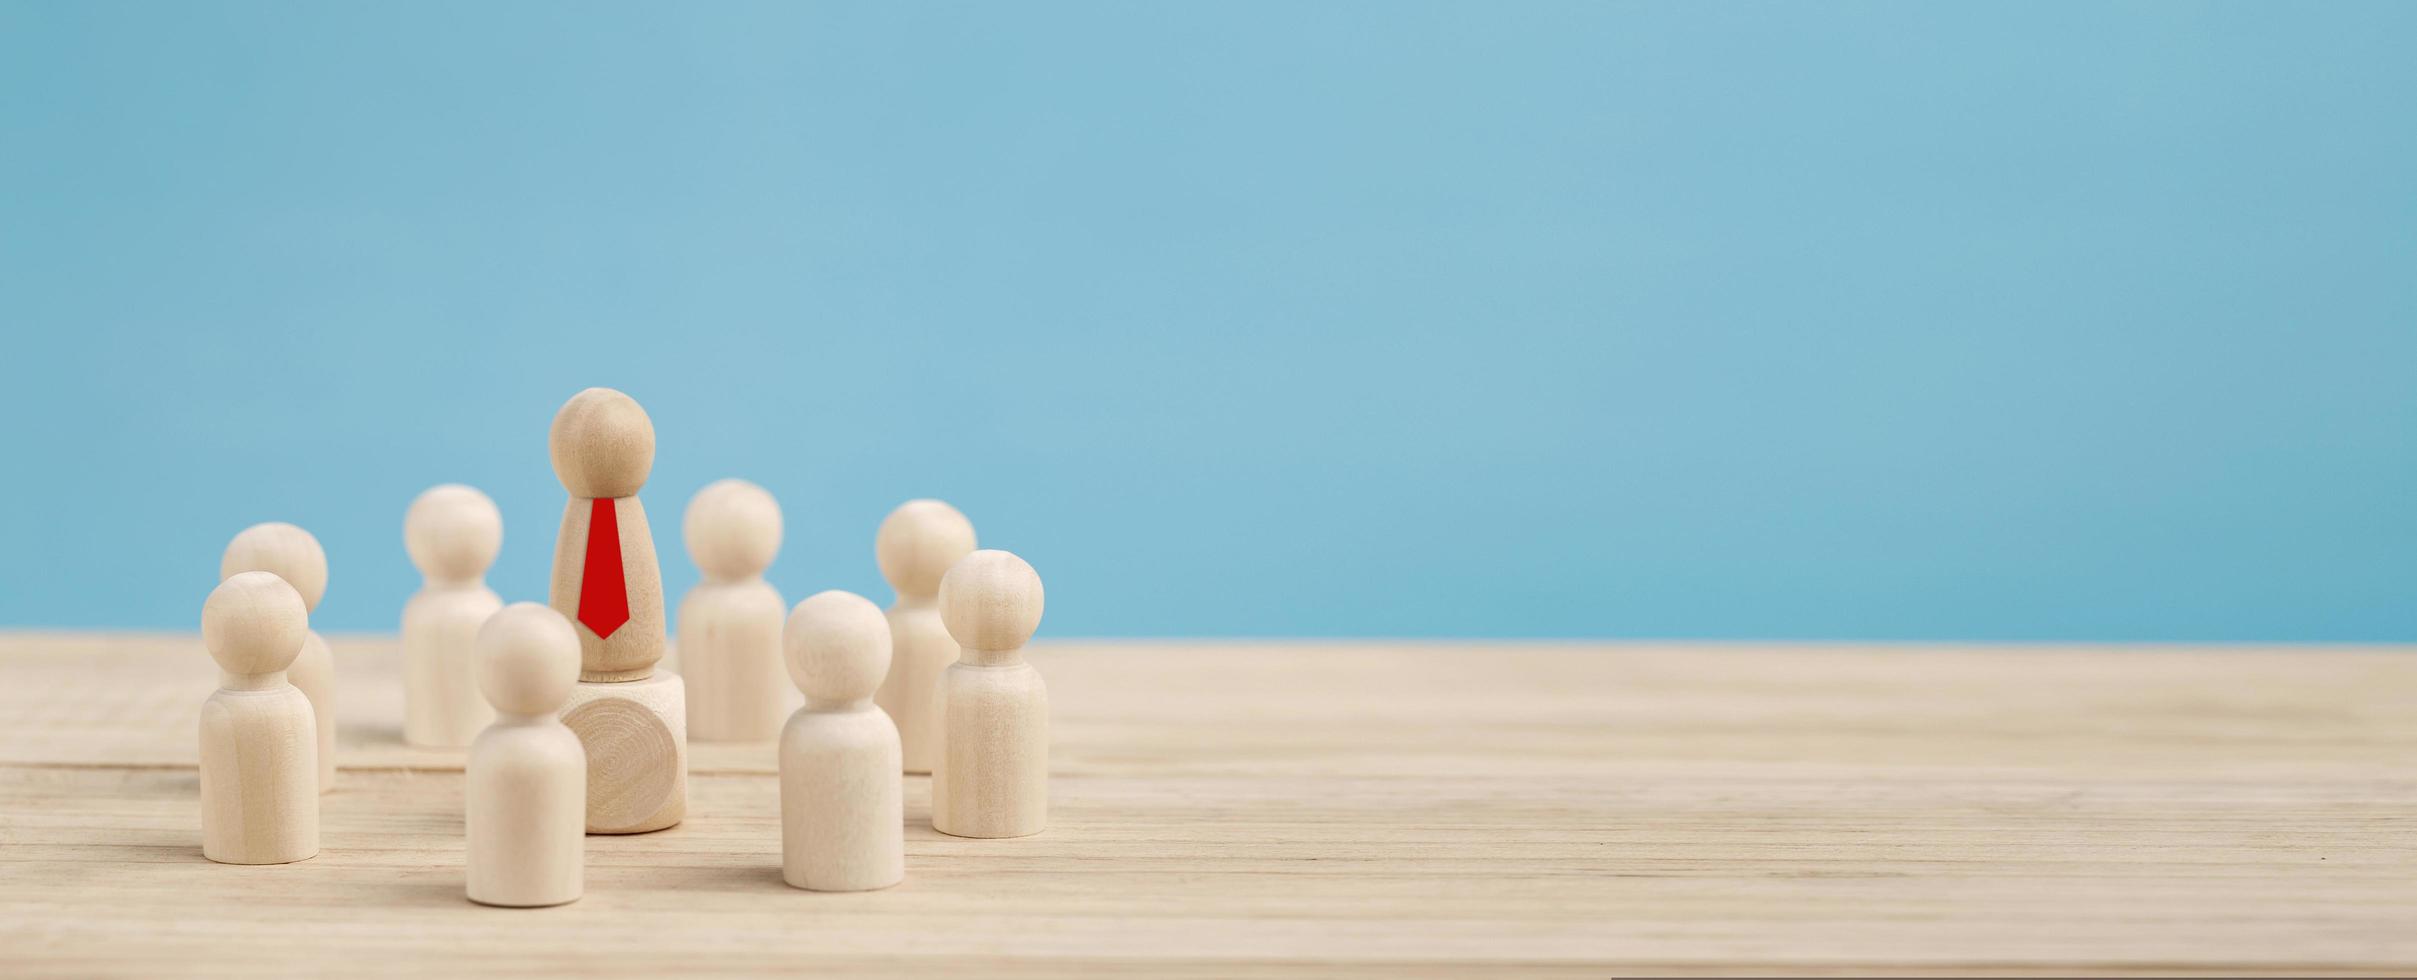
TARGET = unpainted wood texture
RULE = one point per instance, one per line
(841, 797)
(840, 784)
(920, 652)
(314, 675)
(259, 769)
(1361, 809)
(526, 816)
(293, 554)
(441, 706)
(992, 779)
(636, 734)
(730, 661)
(991, 775)
(730, 653)
(602, 444)
(452, 533)
(524, 821)
(914, 548)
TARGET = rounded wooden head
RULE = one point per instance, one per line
(838, 646)
(991, 601)
(453, 532)
(254, 623)
(283, 550)
(918, 542)
(603, 444)
(733, 529)
(528, 659)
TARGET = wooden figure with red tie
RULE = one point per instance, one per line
(631, 717)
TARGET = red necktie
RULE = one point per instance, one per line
(603, 593)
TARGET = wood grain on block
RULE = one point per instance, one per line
(635, 733)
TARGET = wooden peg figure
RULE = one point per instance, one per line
(992, 779)
(259, 745)
(526, 807)
(632, 718)
(916, 545)
(452, 533)
(842, 819)
(730, 624)
(290, 553)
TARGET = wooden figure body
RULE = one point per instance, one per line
(452, 533)
(843, 824)
(992, 777)
(292, 554)
(259, 744)
(631, 717)
(525, 809)
(730, 624)
(915, 547)
(636, 643)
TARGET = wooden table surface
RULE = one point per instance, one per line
(1373, 809)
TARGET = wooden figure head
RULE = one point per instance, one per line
(528, 659)
(733, 529)
(281, 549)
(838, 647)
(918, 542)
(991, 600)
(253, 623)
(603, 444)
(452, 533)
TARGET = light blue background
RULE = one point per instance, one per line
(1988, 321)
